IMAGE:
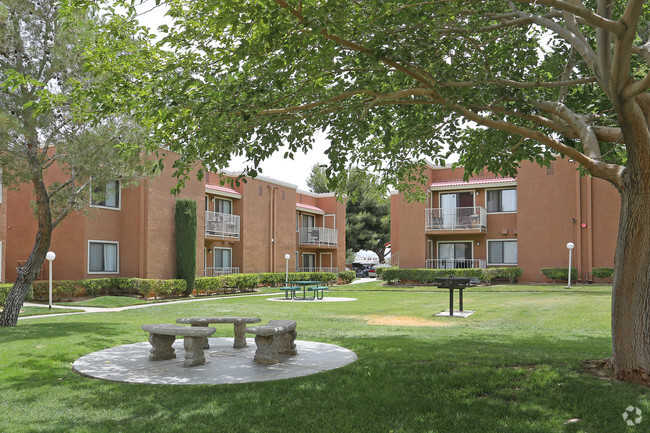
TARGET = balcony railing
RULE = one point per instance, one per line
(456, 218)
(455, 263)
(317, 269)
(318, 236)
(215, 272)
(222, 224)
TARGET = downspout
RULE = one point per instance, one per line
(578, 241)
(275, 210)
(590, 230)
(270, 228)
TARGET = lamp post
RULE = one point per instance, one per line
(570, 248)
(50, 256)
(286, 278)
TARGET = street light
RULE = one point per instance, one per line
(287, 257)
(50, 256)
(570, 248)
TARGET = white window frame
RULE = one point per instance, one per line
(487, 252)
(308, 254)
(454, 242)
(214, 255)
(501, 189)
(215, 204)
(117, 258)
(119, 198)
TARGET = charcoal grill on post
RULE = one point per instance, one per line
(452, 283)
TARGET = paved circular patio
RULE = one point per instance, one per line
(130, 363)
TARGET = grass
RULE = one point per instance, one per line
(40, 311)
(513, 366)
(107, 302)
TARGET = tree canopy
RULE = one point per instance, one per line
(41, 69)
(391, 82)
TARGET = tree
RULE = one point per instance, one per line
(390, 81)
(367, 209)
(185, 220)
(41, 143)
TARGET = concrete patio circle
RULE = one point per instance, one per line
(130, 363)
(315, 301)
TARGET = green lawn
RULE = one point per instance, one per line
(513, 366)
(39, 311)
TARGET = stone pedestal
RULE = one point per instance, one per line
(161, 347)
(193, 351)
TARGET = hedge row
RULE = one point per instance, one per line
(428, 276)
(603, 272)
(68, 289)
(559, 274)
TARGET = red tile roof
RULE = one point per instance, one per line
(473, 181)
(219, 188)
(310, 207)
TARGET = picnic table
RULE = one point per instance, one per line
(452, 283)
(314, 286)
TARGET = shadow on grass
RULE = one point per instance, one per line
(401, 383)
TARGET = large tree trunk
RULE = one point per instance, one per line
(28, 273)
(631, 290)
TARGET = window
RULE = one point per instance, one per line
(103, 257)
(223, 206)
(502, 200)
(308, 220)
(297, 221)
(107, 195)
(308, 261)
(502, 252)
(455, 255)
(222, 257)
(260, 191)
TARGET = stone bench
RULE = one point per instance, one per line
(239, 322)
(275, 338)
(162, 336)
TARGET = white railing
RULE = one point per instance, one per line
(456, 218)
(455, 263)
(318, 236)
(394, 259)
(317, 269)
(222, 224)
(215, 272)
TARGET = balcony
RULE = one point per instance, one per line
(455, 263)
(456, 219)
(318, 269)
(222, 225)
(215, 272)
(318, 237)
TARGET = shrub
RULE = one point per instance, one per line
(6, 288)
(185, 219)
(603, 272)
(272, 279)
(95, 286)
(510, 274)
(208, 285)
(347, 276)
(559, 274)
(61, 289)
(160, 288)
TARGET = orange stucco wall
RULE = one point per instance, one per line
(552, 207)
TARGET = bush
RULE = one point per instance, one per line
(61, 289)
(603, 272)
(510, 274)
(208, 285)
(95, 286)
(185, 219)
(347, 276)
(559, 274)
(159, 288)
(272, 279)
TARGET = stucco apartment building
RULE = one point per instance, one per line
(242, 228)
(492, 221)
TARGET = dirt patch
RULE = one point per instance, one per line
(403, 321)
(600, 368)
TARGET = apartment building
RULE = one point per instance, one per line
(491, 221)
(242, 228)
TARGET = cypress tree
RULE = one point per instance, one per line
(185, 218)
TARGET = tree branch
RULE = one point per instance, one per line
(595, 20)
(623, 48)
